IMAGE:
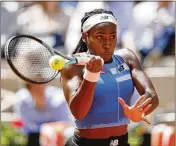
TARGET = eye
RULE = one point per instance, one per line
(113, 37)
(99, 37)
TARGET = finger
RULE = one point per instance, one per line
(90, 62)
(102, 61)
(147, 108)
(89, 65)
(145, 103)
(146, 120)
(97, 64)
(139, 100)
(122, 102)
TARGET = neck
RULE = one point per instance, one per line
(108, 61)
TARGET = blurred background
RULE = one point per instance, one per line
(148, 28)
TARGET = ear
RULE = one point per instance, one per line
(84, 37)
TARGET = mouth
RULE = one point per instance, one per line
(106, 53)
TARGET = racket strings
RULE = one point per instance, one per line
(31, 59)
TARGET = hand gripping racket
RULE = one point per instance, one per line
(29, 58)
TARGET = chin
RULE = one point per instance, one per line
(106, 57)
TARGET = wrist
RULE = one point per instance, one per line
(90, 76)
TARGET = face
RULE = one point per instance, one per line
(102, 40)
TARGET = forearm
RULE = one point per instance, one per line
(81, 101)
(145, 87)
(154, 102)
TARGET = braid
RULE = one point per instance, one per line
(82, 46)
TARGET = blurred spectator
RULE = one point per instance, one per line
(154, 29)
(40, 104)
(9, 13)
(46, 20)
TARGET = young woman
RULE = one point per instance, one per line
(99, 93)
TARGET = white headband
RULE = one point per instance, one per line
(96, 19)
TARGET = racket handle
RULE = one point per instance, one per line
(82, 60)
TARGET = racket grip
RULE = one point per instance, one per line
(82, 60)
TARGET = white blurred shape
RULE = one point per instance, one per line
(69, 132)
(164, 17)
(3, 39)
(11, 6)
(147, 39)
(145, 12)
(68, 10)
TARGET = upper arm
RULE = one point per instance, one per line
(71, 81)
(141, 80)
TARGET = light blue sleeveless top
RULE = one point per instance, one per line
(106, 111)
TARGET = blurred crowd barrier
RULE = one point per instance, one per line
(163, 135)
(55, 134)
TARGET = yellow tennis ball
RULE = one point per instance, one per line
(56, 62)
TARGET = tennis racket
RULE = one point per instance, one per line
(29, 58)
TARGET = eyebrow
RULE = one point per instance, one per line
(104, 33)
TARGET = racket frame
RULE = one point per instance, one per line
(53, 51)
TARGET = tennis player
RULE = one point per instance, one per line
(99, 93)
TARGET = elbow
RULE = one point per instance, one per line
(79, 114)
(79, 117)
(156, 101)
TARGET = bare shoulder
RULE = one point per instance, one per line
(128, 56)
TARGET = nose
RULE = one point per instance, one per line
(105, 47)
(107, 44)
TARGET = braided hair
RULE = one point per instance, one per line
(82, 46)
